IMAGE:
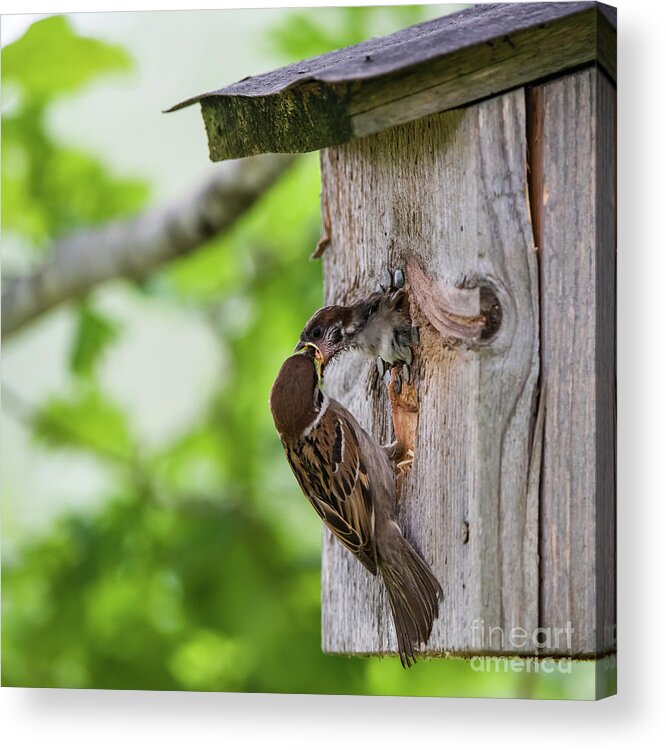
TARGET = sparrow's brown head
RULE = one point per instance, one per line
(328, 330)
(296, 396)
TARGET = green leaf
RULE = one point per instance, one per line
(87, 421)
(94, 333)
(194, 464)
(50, 190)
(208, 659)
(80, 191)
(20, 212)
(305, 33)
(51, 59)
(283, 227)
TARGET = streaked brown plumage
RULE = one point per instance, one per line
(348, 479)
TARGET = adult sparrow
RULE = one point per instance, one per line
(347, 477)
(378, 326)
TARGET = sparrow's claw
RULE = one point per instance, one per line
(406, 464)
(381, 367)
(391, 281)
(409, 357)
(406, 374)
(416, 336)
(399, 456)
(397, 295)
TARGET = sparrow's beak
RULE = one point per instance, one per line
(318, 355)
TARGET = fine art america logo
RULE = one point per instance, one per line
(494, 638)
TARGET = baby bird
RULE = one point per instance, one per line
(379, 326)
(347, 477)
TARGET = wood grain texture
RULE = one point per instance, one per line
(450, 190)
(577, 544)
(426, 68)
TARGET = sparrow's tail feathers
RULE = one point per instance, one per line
(414, 595)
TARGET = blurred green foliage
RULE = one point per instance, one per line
(201, 572)
(47, 188)
(305, 34)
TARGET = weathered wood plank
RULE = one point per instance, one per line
(427, 68)
(606, 365)
(577, 248)
(469, 75)
(451, 190)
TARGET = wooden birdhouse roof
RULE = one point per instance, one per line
(426, 68)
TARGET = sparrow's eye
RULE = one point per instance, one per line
(316, 332)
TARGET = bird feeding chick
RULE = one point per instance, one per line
(378, 326)
(348, 479)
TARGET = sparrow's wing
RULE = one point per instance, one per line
(330, 470)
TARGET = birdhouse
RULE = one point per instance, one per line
(477, 153)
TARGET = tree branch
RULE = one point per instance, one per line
(134, 249)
